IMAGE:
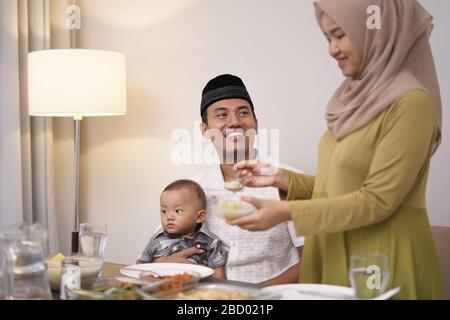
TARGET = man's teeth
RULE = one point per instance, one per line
(235, 134)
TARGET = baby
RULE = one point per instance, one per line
(183, 210)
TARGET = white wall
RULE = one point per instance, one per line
(173, 48)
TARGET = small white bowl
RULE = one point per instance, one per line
(90, 268)
(229, 207)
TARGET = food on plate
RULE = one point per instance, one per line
(178, 276)
(107, 288)
(119, 290)
(213, 294)
(172, 283)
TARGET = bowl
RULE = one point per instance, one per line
(210, 291)
(225, 291)
(108, 288)
(168, 284)
(90, 268)
(229, 207)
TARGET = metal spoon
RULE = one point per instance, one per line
(234, 185)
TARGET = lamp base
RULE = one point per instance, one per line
(75, 244)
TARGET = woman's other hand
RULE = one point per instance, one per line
(269, 213)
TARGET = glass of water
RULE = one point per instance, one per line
(93, 239)
(369, 275)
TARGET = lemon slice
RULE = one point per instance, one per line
(58, 258)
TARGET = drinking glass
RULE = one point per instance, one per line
(93, 239)
(368, 275)
(2, 272)
(70, 277)
(24, 272)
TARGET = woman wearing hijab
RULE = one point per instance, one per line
(384, 125)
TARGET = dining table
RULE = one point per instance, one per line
(311, 291)
(112, 269)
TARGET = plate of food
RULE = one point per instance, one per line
(300, 291)
(166, 269)
(208, 291)
(108, 288)
(229, 207)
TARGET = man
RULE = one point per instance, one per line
(229, 120)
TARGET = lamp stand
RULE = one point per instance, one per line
(76, 231)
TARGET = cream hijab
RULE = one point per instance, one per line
(395, 59)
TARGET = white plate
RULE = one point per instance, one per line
(165, 269)
(319, 292)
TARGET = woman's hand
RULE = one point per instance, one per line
(261, 175)
(269, 214)
(179, 257)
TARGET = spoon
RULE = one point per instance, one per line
(234, 185)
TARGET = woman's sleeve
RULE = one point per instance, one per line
(300, 186)
(404, 146)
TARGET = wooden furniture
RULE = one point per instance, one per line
(112, 269)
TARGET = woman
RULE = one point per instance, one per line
(384, 121)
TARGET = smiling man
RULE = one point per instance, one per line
(229, 121)
(269, 257)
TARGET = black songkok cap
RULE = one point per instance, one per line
(223, 87)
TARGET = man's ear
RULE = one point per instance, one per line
(256, 121)
(201, 216)
(203, 128)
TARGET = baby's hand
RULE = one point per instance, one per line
(180, 257)
(192, 261)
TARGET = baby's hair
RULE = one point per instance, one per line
(194, 186)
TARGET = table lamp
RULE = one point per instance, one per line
(76, 83)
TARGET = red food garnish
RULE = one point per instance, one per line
(176, 281)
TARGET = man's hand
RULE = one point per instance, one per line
(179, 257)
(269, 214)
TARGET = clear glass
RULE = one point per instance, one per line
(89, 267)
(368, 275)
(70, 277)
(23, 269)
(2, 272)
(54, 271)
(93, 238)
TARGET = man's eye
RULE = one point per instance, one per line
(244, 113)
(221, 115)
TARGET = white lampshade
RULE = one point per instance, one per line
(76, 83)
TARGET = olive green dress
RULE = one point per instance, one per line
(369, 196)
